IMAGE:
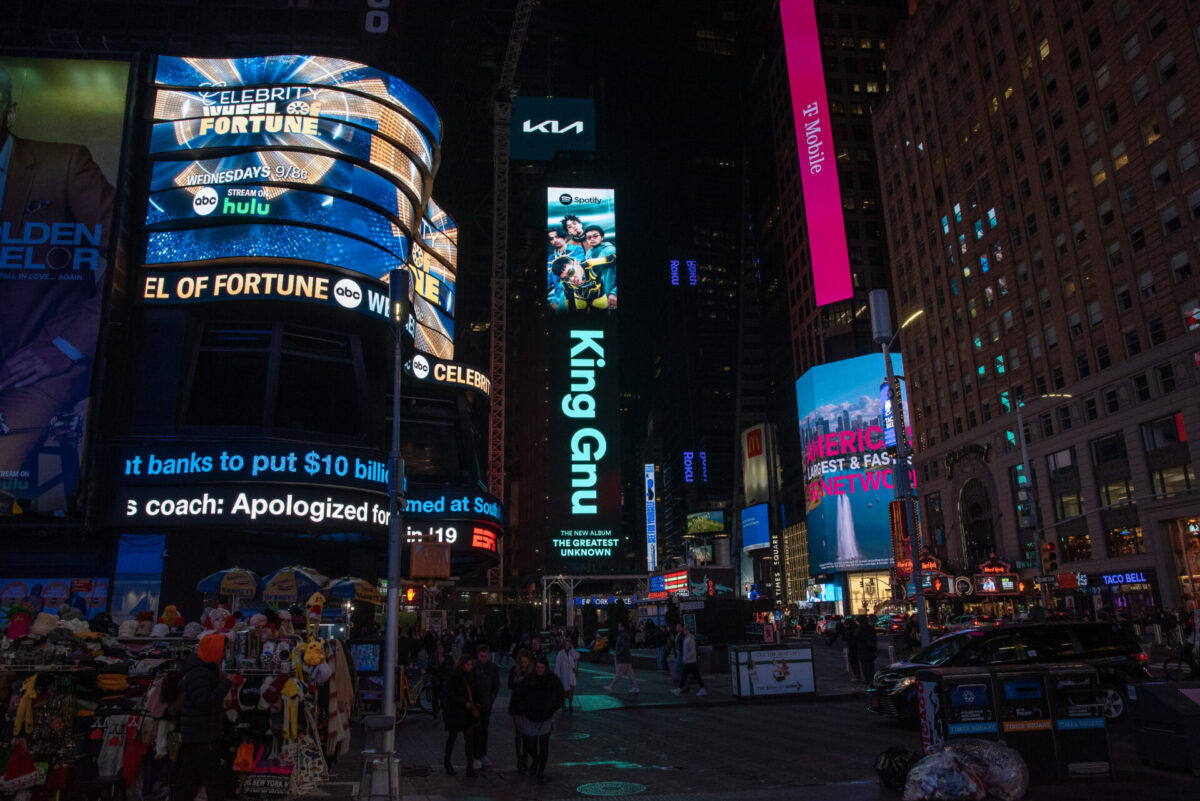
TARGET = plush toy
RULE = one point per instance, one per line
(217, 618)
(316, 602)
(18, 618)
(285, 624)
(171, 617)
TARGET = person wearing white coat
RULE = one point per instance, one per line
(566, 664)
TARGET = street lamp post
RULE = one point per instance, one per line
(1039, 534)
(881, 323)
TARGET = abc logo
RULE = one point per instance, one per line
(347, 293)
(420, 367)
(565, 199)
(205, 201)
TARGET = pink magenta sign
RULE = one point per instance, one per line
(818, 164)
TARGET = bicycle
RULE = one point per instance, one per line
(1182, 666)
(409, 694)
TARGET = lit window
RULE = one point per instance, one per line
(957, 212)
(979, 229)
(1043, 49)
(991, 215)
(945, 224)
(983, 264)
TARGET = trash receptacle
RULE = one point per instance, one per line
(380, 779)
(1166, 723)
(1023, 705)
(956, 703)
(1077, 701)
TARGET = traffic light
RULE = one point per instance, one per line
(1049, 558)
(1024, 508)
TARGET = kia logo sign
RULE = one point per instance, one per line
(347, 293)
(552, 127)
(205, 201)
(420, 367)
(564, 199)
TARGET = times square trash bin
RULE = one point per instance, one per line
(1166, 723)
(955, 704)
(1023, 706)
(1077, 701)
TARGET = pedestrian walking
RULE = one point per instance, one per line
(660, 642)
(566, 664)
(677, 664)
(204, 688)
(521, 670)
(460, 712)
(539, 697)
(691, 665)
(623, 660)
(440, 667)
(912, 633)
(487, 678)
(867, 644)
(849, 632)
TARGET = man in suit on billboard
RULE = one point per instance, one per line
(55, 213)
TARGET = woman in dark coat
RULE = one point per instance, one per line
(539, 696)
(522, 669)
(460, 711)
(440, 667)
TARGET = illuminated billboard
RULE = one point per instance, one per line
(581, 250)
(545, 126)
(756, 527)
(848, 468)
(814, 141)
(311, 159)
(584, 458)
(651, 520)
(61, 129)
(710, 522)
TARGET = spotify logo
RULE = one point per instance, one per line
(347, 293)
(205, 201)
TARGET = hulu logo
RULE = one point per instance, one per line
(244, 208)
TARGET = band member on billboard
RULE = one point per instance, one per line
(602, 255)
(560, 244)
(48, 328)
(582, 288)
(574, 227)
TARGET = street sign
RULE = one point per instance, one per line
(1045, 579)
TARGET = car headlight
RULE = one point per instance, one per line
(905, 683)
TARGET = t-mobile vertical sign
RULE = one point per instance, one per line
(818, 167)
(651, 522)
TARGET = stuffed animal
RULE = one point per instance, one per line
(316, 602)
(171, 617)
(18, 618)
(285, 624)
(217, 618)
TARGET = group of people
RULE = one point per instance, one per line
(581, 267)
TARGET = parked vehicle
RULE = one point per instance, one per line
(962, 622)
(1119, 658)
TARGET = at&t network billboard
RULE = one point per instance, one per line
(848, 468)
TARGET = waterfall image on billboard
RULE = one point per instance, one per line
(847, 545)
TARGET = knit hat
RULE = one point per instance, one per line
(127, 629)
(70, 613)
(160, 630)
(211, 648)
(144, 627)
(193, 630)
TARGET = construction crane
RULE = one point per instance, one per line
(502, 120)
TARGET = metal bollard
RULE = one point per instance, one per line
(846, 659)
(1158, 640)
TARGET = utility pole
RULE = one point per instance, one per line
(881, 325)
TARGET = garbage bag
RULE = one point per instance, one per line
(1004, 773)
(893, 765)
(944, 776)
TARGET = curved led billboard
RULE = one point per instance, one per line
(848, 467)
(310, 159)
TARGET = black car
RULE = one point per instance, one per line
(1118, 657)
